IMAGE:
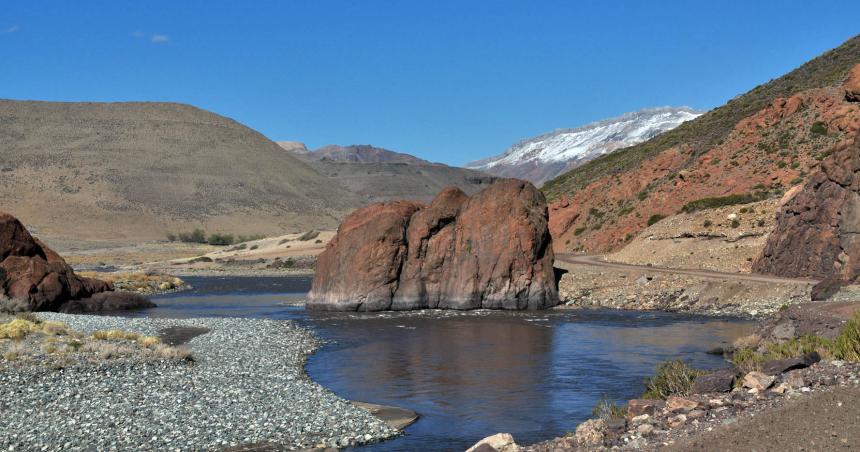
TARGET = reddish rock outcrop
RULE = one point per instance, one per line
(817, 230)
(492, 251)
(34, 274)
(852, 85)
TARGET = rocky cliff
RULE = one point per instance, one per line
(492, 250)
(817, 229)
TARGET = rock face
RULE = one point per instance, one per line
(492, 251)
(32, 273)
(852, 85)
(817, 230)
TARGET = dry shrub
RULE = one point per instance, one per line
(148, 341)
(13, 351)
(17, 329)
(115, 335)
(54, 328)
(12, 306)
(847, 344)
(180, 353)
(748, 341)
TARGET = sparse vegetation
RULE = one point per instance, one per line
(722, 201)
(818, 128)
(654, 219)
(607, 409)
(220, 239)
(735, 223)
(579, 230)
(707, 223)
(671, 378)
(310, 235)
(216, 239)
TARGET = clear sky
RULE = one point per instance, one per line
(449, 81)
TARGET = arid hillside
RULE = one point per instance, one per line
(133, 171)
(755, 147)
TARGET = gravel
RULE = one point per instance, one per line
(247, 385)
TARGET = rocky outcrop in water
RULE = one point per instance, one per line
(492, 251)
(817, 230)
(34, 276)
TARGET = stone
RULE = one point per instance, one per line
(852, 85)
(780, 388)
(590, 432)
(638, 407)
(794, 380)
(35, 275)
(677, 421)
(500, 442)
(696, 414)
(758, 381)
(675, 404)
(489, 251)
(639, 419)
(645, 429)
(722, 380)
(778, 366)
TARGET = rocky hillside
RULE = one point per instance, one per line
(816, 233)
(362, 153)
(132, 171)
(546, 156)
(376, 174)
(755, 147)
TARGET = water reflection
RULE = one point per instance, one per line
(535, 375)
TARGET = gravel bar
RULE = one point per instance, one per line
(246, 386)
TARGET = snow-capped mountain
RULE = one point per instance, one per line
(541, 158)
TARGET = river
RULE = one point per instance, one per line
(535, 375)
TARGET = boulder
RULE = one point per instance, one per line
(722, 380)
(758, 381)
(36, 276)
(817, 232)
(778, 366)
(590, 432)
(638, 407)
(500, 442)
(492, 251)
(852, 85)
(682, 404)
(106, 302)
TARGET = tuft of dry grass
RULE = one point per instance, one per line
(115, 335)
(17, 329)
(13, 351)
(671, 378)
(180, 353)
(148, 341)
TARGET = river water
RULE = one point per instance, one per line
(535, 375)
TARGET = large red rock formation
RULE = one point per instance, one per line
(852, 85)
(492, 251)
(32, 273)
(817, 230)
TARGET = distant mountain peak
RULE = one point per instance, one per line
(363, 153)
(543, 157)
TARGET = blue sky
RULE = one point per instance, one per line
(449, 81)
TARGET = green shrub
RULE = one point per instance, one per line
(654, 219)
(846, 346)
(310, 235)
(607, 409)
(818, 128)
(195, 236)
(171, 237)
(642, 195)
(671, 378)
(747, 359)
(735, 224)
(220, 239)
(579, 230)
(722, 201)
(249, 238)
(708, 223)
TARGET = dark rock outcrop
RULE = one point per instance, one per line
(818, 230)
(106, 302)
(778, 366)
(492, 250)
(722, 380)
(36, 276)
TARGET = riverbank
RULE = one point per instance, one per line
(246, 385)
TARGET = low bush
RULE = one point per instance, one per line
(671, 378)
(607, 410)
(722, 201)
(847, 344)
(195, 236)
(654, 219)
(220, 239)
(818, 128)
(310, 235)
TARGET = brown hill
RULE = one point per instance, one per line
(133, 171)
(756, 146)
(362, 153)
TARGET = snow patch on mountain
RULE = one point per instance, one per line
(544, 157)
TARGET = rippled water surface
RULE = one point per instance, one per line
(471, 374)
